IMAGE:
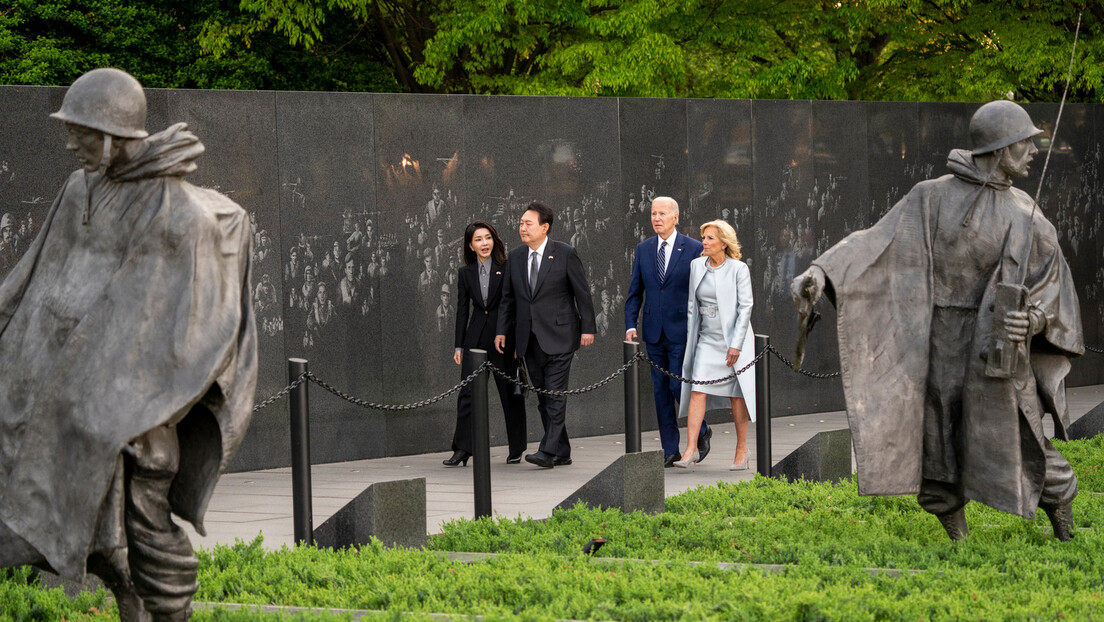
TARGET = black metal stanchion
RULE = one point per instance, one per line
(481, 436)
(300, 454)
(762, 407)
(632, 399)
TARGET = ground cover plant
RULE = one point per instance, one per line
(769, 549)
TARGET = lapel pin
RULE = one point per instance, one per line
(550, 257)
(498, 272)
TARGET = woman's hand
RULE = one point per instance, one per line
(458, 356)
(732, 356)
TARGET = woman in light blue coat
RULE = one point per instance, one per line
(719, 340)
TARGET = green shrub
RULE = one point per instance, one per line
(841, 557)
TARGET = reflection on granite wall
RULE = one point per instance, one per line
(359, 202)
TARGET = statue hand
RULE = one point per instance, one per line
(808, 286)
(1017, 325)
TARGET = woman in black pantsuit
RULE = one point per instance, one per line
(483, 252)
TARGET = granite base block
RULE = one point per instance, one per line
(394, 512)
(1088, 425)
(824, 458)
(633, 482)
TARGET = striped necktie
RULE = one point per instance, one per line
(661, 261)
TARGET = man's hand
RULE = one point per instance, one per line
(808, 287)
(500, 342)
(630, 335)
(586, 339)
(458, 356)
(732, 356)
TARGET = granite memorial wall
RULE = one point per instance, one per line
(359, 203)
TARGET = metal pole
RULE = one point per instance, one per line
(632, 399)
(300, 454)
(762, 407)
(481, 437)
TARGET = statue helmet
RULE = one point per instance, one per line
(999, 124)
(108, 100)
(6, 221)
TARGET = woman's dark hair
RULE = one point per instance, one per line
(498, 253)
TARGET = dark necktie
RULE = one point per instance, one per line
(533, 273)
(661, 261)
(484, 281)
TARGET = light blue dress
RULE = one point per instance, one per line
(711, 348)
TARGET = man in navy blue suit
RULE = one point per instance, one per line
(660, 284)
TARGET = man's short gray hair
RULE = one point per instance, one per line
(674, 203)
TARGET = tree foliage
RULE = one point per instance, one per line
(924, 50)
(51, 42)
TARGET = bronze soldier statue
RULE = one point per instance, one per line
(128, 346)
(957, 322)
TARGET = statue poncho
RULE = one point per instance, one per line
(129, 311)
(918, 284)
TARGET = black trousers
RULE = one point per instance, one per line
(513, 406)
(550, 371)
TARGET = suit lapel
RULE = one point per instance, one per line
(679, 254)
(494, 286)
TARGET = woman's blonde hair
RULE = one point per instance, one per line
(727, 235)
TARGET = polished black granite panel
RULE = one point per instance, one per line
(788, 196)
(941, 129)
(654, 162)
(361, 170)
(894, 160)
(332, 265)
(720, 166)
(1068, 197)
(558, 151)
(251, 182)
(422, 214)
(33, 164)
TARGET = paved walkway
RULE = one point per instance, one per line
(245, 504)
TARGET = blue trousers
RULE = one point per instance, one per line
(668, 355)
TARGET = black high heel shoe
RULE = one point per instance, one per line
(458, 457)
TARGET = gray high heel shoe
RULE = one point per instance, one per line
(741, 466)
(682, 464)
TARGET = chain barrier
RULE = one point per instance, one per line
(597, 385)
(268, 402)
(426, 402)
(675, 376)
(601, 383)
(788, 363)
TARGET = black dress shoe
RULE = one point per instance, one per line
(540, 459)
(458, 457)
(703, 444)
(669, 460)
(561, 460)
(513, 459)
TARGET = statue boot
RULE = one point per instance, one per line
(955, 524)
(114, 570)
(1061, 519)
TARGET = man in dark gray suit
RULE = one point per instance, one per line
(546, 302)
